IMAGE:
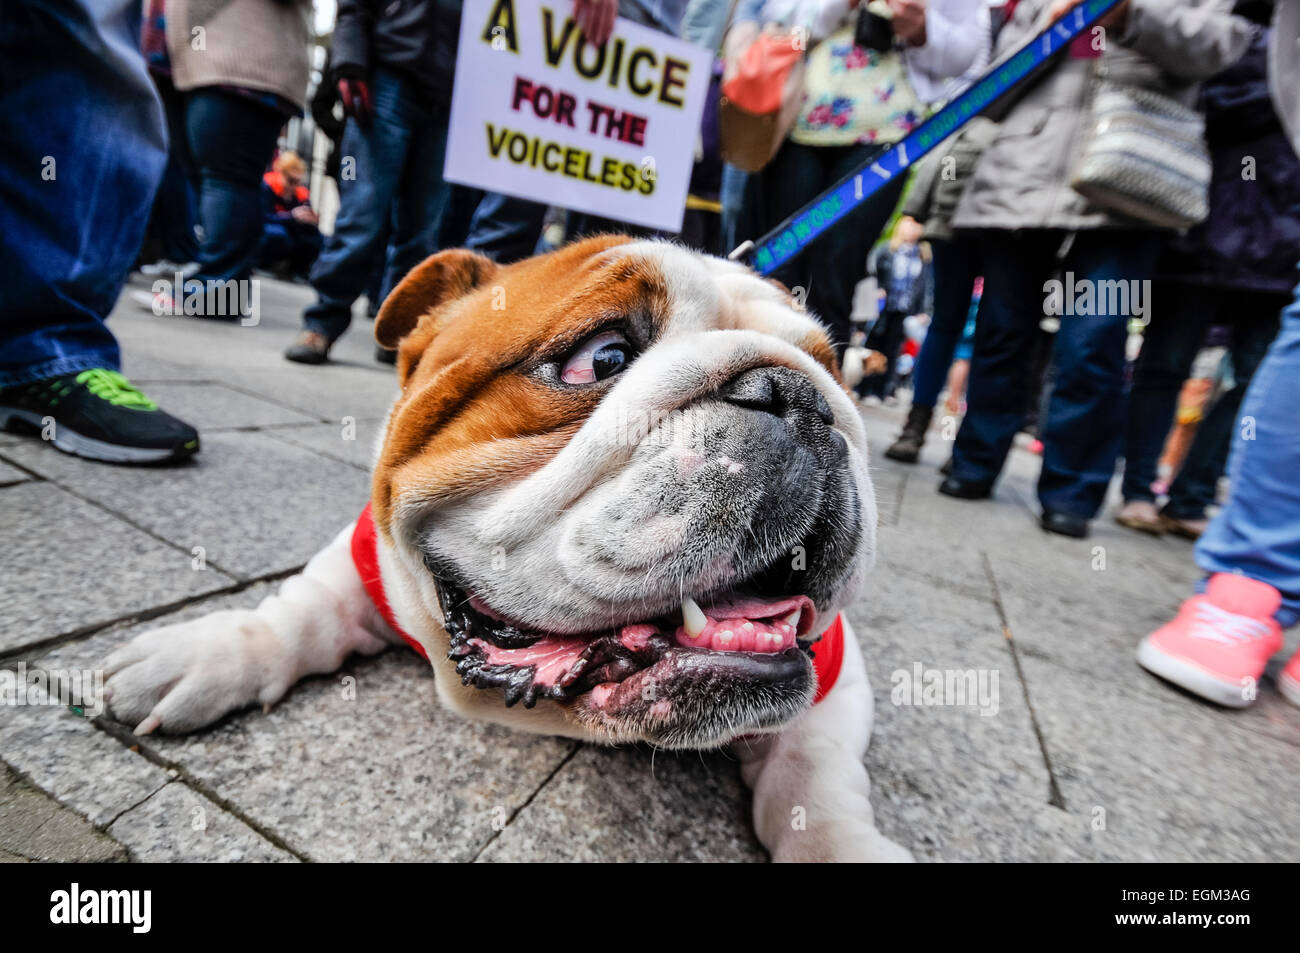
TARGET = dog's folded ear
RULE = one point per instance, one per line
(435, 281)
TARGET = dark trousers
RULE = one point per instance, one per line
(172, 221)
(956, 266)
(393, 193)
(1179, 321)
(231, 140)
(886, 336)
(831, 266)
(1083, 432)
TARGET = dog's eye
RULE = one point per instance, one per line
(600, 356)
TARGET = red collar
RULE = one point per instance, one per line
(828, 654)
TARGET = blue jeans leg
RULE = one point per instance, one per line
(1178, 321)
(231, 140)
(424, 201)
(1083, 432)
(505, 228)
(1258, 532)
(368, 186)
(956, 266)
(76, 182)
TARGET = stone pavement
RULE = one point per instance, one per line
(1085, 757)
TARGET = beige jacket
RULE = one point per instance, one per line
(256, 44)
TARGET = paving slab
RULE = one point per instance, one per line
(211, 406)
(360, 765)
(63, 754)
(350, 441)
(254, 504)
(633, 804)
(67, 564)
(36, 828)
(176, 825)
(11, 475)
(251, 358)
(1172, 779)
(953, 755)
(1091, 628)
(365, 765)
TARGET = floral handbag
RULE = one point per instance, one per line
(853, 94)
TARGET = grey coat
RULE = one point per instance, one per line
(942, 177)
(1284, 66)
(1022, 179)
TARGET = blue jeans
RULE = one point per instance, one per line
(508, 229)
(505, 228)
(1083, 430)
(1184, 313)
(397, 179)
(84, 149)
(1258, 532)
(231, 139)
(956, 266)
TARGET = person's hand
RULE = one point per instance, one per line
(1116, 19)
(304, 214)
(355, 94)
(909, 20)
(596, 19)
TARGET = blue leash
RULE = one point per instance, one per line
(789, 239)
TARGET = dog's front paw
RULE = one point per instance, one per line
(182, 677)
(851, 842)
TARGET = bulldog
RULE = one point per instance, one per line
(621, 497)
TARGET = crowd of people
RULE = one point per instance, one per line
(1016, 267)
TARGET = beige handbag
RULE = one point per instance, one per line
(762, 92)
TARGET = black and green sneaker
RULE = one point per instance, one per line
(99, 415)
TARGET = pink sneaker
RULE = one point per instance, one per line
(1288, 683)
(1220, 641)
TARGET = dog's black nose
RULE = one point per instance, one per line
(779, 391)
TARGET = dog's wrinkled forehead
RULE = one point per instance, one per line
(478, 344)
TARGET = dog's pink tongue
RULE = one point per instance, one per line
(752, 625)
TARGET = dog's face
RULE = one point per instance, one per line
(622, 487)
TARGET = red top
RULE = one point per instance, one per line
(828, 654)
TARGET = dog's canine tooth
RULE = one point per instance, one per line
(693, 618)
(792, 620)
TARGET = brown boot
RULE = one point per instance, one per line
(309, 347)
(908, 445)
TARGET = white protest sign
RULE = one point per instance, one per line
(539, 113)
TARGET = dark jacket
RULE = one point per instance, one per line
(917, 296)
(414, 37)
(1251, 238)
